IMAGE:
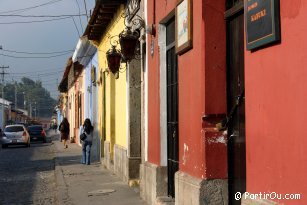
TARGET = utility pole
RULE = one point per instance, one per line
(15, 96)
(3, 73)
(30, 110)
(35, 110)
(24, 100)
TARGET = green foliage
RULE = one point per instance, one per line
(31, 92)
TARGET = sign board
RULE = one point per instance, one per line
(133, 7)
(261, 22)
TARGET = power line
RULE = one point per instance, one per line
(79, 14)
(25, 22)
(47, 80)
(76, 27)
(40, 70)
(34, 56)
(39, 73)
(86, 10)
(42, 16)
(32, 7)
(20, 77)
(42, 53)
(44, 76)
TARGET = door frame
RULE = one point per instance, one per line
(163, 87)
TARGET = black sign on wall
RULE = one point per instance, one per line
(261, 22)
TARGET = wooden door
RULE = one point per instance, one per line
(236, 101)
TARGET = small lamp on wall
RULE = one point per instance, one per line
(114, 59)
(128, 41)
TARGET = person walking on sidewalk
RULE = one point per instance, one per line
(64, 129)
(87, 129)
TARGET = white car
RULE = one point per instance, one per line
(15, 135)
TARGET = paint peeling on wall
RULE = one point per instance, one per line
(219, 139)
(185, 153)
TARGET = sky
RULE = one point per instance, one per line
(40, 39)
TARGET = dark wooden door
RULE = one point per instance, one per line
(172, 108)
(236, 102)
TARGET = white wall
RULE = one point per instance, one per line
(91, 105)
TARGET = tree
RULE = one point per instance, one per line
(33, 93)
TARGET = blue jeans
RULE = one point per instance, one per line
(86, 152)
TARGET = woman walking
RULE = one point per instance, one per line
(64, 129)
(86, 129)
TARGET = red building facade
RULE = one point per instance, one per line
(261, 150)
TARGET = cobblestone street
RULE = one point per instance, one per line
(47, 174)
(27, 174)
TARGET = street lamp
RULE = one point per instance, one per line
(114, 58)
(128, 40)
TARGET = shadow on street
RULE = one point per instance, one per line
(27, 174)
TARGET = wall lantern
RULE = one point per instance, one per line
(114, 59)
(128, 40)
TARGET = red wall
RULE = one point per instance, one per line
(201, 76)
(153, 108)
(191, 84)
(276, 109)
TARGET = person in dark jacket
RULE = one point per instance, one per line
(64, 129)
(87, 129)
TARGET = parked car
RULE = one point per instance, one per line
(15, 135)
(37, 133)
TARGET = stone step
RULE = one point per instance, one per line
(165, 201)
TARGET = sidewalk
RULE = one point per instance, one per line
(83, 184)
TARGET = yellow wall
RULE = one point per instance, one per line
(115, 90)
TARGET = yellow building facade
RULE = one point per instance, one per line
(115, 89)
(112, 96)
(120, 139)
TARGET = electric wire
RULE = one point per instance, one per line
(53, 56)
(42, 71)
(76, 27)
(38, 53)
(41, 75)
(85, 9)
(79, 14)
(42, 16)
(26, 22)
(32, 7)
(38, 72)
(42, 78)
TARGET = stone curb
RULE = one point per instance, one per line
(62, 196)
